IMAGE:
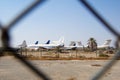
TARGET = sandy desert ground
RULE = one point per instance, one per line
(12, 69)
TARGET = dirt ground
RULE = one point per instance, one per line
(12, 69)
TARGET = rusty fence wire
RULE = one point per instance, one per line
(6, 37)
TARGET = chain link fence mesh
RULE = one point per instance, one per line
(6, 37)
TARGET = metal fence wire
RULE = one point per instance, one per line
(6, 37)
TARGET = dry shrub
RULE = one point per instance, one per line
(103, 55)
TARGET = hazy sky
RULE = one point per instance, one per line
(56, 18)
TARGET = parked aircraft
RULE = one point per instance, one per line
(78, 45)
(53, 44)
(47, 45)
(106, 44)
(35, 46)
(74, 45)
(60, 43)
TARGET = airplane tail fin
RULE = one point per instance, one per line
(72, 43)
(75, 43)
(36, 42)
(61, 40)
(48, 42)
(79, 43)
(107, 42)
(24, 44)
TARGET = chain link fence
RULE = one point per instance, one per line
(6, 37)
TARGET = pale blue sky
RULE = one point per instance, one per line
(56, 18)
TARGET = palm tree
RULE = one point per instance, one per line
(92, 45)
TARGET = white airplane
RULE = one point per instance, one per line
(106, 44)
(35, 46)
(74, 45)
(31, 46)
(78, 45)
(52, 45)
(46, 45)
